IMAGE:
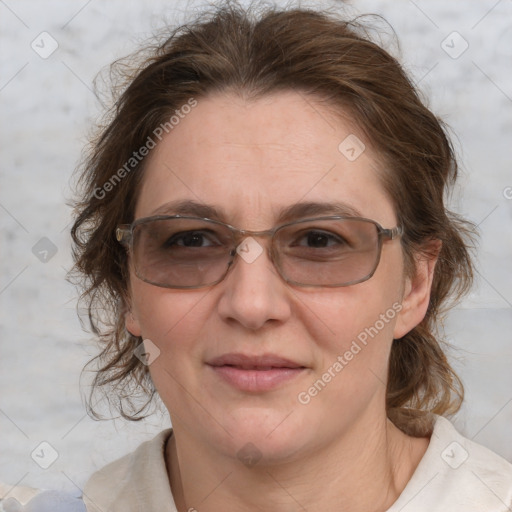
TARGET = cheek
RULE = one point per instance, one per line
(171, 319)
(336, 318)
(353, 330)
(353, 353)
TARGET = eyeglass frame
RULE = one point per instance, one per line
(124, 235)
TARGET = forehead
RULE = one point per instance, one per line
(252, 159)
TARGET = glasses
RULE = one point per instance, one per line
(191, 252)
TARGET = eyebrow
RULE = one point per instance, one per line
(286, 214)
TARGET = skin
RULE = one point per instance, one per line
(338, 452)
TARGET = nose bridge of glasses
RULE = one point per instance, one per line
(248, 248)
(240, 235)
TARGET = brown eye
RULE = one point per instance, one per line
(192, 239)
(321, 239)
(317, 238)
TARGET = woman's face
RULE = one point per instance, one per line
(250, 160)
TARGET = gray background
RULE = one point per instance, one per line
(47, 108)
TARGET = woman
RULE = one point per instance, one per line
(262, 225)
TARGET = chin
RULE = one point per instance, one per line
(270, 435)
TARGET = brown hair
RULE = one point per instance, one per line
(330, 59)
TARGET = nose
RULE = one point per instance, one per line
(253, 293)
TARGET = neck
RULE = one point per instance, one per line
(334, 477)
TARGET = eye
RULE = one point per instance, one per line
(192, 239)
(320, 239)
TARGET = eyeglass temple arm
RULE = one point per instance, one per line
(123, 233)
(393, 232)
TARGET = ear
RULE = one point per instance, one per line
(417, 289)
(131, 322)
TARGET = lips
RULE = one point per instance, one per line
(246, 362)
(255, 373)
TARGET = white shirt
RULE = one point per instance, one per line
(454, 475)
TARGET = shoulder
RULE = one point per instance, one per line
(457, 474)
(133, 482)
